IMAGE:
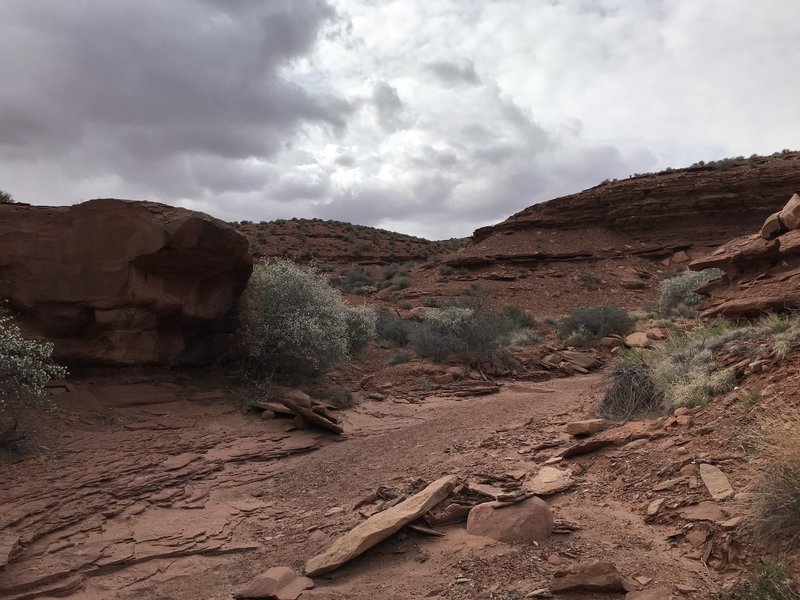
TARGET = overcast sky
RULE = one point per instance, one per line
(430, 117)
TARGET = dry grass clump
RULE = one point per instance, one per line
(632, 391)
(772, 581)
(777, 503)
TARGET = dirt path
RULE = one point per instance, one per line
(163, 491)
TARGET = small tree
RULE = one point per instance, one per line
(6, 198)
(25, 369)
(294, 322)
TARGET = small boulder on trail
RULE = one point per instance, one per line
(587, 427)
(593, 576)
(528, 521)
(279, 583)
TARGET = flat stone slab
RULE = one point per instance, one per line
(716, 482)
(587, 427)
(550, 480)
(380, 526)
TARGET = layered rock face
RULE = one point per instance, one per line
(652, 216)
(120, 282)
(761, 274)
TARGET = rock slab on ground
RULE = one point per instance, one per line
(550, 480)
(593, 576)
(528, 521)
(278, 583)
(586, 427)
(716, 482)
(380, 526)
(654, 594)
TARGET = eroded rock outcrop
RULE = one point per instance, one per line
(762, 270)
(121, 282)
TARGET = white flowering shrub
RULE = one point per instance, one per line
(293, 321)
(361, 327)
(25, 369)
(681, 288)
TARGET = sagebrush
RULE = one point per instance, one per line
(680, 290)
(294, 322)
(582, 325)
(26, 367)
(465, 334)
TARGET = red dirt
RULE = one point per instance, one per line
(160, 487)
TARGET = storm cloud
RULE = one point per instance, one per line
(432, 117)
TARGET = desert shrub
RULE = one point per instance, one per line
(445, 270)
(25, 369)
(472, 335)
(356, 280)
(523, 337)
(520, 318)
(361, 327)
(771, 581)
(588, 279)
(293, 321)
(391, 329)
(686, 373)
(5, 198)
(400, 282)
(398, 358)
(680, 290)
(593, 322)
(777, 503)
(632, 389)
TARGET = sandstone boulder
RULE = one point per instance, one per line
(527, 521)
(122, 283)
(773, 227)
(593, 576)
(790, 215)
(762, 275)
(638, 339)
(586, 427)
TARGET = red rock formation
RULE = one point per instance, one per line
(761, 276)
(121, 282)
(654, 215)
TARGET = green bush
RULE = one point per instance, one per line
(293, 321)
(5, 198)
(593, 322)
(464, 333)
(680, 290)
(25, 369)
(392, 330)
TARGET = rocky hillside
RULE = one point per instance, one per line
(612, 243)
(654, 214)
(338, 244)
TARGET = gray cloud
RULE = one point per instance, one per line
(429, 116)
(390, 111)
(454, 73)
(159, 83)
